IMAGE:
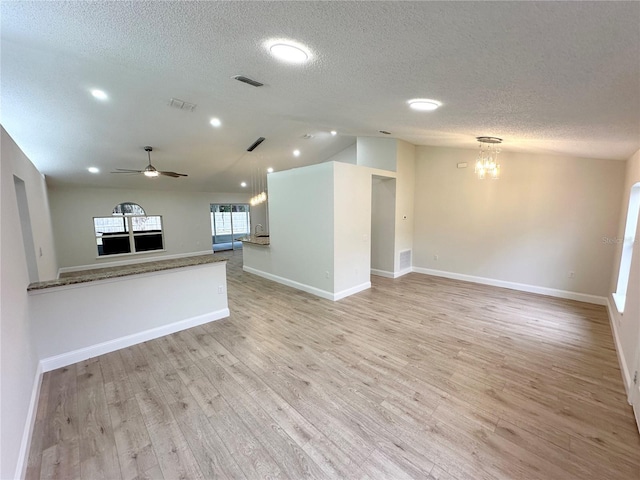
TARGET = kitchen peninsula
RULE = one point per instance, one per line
(102, 310)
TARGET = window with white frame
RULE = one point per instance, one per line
(630, 228)
(128, 230)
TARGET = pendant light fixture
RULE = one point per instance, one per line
(487, 161)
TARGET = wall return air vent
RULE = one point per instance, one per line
(405, 259)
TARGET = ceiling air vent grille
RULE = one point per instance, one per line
(255, 144)
(182, 105)
(248, 81)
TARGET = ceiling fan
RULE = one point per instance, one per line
(150, 170)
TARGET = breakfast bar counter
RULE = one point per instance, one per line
(124, 271)
(262, 240)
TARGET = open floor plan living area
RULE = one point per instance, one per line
(330, 240)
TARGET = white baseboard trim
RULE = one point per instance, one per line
(523, 287)
(69, 358)
(130, 261)
(402, 272)
(387, 274)
(382, 273)
(308, 288)
(351, 291)
(290, 283)
(626, 375)
(23, 453)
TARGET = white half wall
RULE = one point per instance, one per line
(185, 216)
(75, 322)
(18, 358)
(544, 218)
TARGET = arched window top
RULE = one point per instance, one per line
(128, 208)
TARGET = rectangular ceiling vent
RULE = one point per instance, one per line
(182, 105)
(405, 259)
(255, 144)
(248, 81)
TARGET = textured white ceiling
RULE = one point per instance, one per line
(548, 77)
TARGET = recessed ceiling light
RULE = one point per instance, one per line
(215, 122)
(288, 51)
(296, 153)
(423, 104)
(93, 170)
(243, 184)
(333, 132)
(270, 170)
(99, 94)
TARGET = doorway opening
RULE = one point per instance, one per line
(229, 221)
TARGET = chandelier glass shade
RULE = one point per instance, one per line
(487, 162)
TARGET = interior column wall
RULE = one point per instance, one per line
(352, 227)
(405, 195)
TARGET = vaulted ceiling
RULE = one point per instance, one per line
(547, 77)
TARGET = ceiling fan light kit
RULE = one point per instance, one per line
(150, 171)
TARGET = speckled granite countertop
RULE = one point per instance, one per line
(255, 240)
(126, 270)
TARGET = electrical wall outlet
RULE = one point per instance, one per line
(220, 288)
(435, 257)
(571, 274)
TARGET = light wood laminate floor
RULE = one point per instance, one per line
(419, 377)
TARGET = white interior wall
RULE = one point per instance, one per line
(320, 219)
(627, 325)
(375, 152)
(544, 218)
(185, 215)
(259, 217)
(301, 219)
(348, 155)
(352, 228)
(383, 216)
(18, 358)
(405, 196)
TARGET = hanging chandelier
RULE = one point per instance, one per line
(487, 161)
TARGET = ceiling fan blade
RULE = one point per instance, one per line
(173, 174)
(126, 170)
